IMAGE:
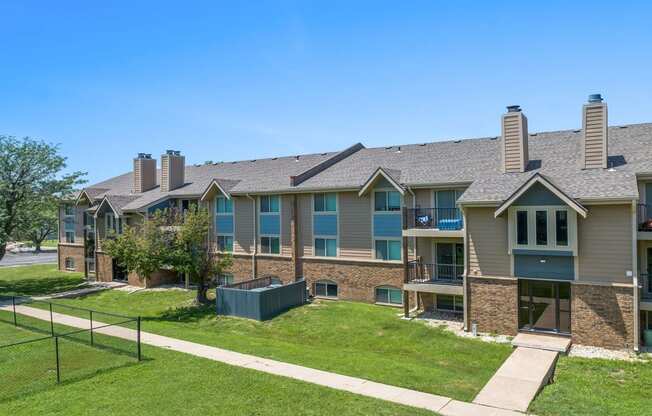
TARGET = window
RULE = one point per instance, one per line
(269, 203)
(325, 247)
(325, 202)
(185, 205)
(521, 227)
(225, 243)
(270, 245)
(225, 279)
(110, 225)
(70, 263)
(388, 249)
(450, 303)
(223, 205)
(90, 265)
(387, 201)
(561, 227)
(69, 210)
(450, 260)
(389, 295)
(542, 228)
(70, 237)
(327, 289)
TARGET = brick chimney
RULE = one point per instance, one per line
(173, 167)
(144, 172)
(515, 136)
(595, 135)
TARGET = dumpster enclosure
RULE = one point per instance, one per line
(259, 299)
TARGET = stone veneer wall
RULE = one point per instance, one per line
(355, 280)
(281, 267)
(602, 316)
(103, 267)
(76, 251)
(493, 304)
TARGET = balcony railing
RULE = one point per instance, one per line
(434, 218)
(646, 283)
(644, 216)
(435, 273)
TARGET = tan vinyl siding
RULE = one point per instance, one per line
(514, 142)
(165, 169)
(304, 217)
(286, 218)
(595, 136)
(243, 215)
(605, 244)
(487, 243)
(424, 198)
(355, 225)
(144, 174)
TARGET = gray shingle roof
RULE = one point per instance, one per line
(473, 161)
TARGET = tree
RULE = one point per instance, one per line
(38, 223)
(170, 239)
(192, 255)
(30, 176)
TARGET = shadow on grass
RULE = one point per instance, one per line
(33, 287)
(193, 313)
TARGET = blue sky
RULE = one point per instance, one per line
(246, 80)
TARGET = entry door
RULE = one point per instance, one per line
(544, 306)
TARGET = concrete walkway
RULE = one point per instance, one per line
(442, 405)
(519, 379)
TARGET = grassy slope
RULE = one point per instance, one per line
(355, 339)
(37, 280)
(100, 382)
(597, 387)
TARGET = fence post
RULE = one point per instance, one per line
(56, 348)
(51, 321)
(91, 312)
(138, 337)
(13, 302)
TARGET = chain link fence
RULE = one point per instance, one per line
(39, 347)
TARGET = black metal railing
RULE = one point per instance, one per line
(435, 273)
(644, 216)
(434, 218)
(44, 349)
(646, 286)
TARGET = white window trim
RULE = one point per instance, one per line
(374, 212)
(327, 237)
(224, 214)
(330, 282)
(280, 222)
(552, 228)
(65, 263)
(453, 243)
(388, 303)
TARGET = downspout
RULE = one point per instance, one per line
(465, 291)
(255, 240)
(636, 306)
(414, 248)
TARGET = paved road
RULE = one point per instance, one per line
(23, 259)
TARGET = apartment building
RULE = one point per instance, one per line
(547, 232)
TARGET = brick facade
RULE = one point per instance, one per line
(355, 280)
(74, 251)
(280, 267)
(493, 304)
(161, 277)
(240, 268)
(602, 316)
(103, 267)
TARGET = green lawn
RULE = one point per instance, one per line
(101, 381)
(348, 338)
(597, 387)
(36, 280)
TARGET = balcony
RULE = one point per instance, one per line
(432, 222)
(645, 282)
(644, 221)
(434, 278)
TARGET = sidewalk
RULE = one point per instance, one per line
(442, 405)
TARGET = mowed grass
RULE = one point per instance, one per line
(41, 279)
(101, 381)
(592, 387)
(355, 339)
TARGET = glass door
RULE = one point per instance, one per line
(544, 306)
